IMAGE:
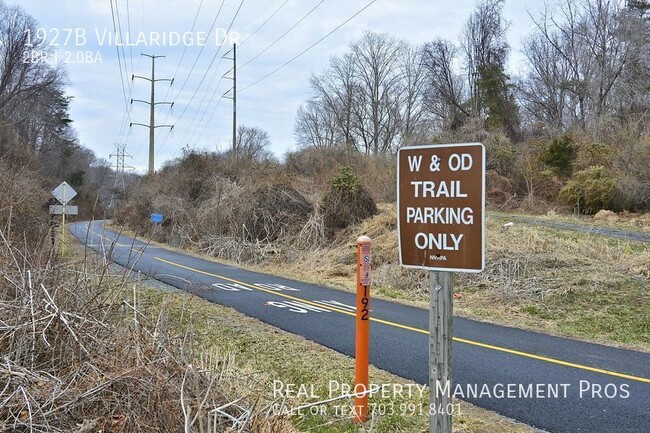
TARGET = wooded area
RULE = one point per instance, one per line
(37, 137)
(578, 111)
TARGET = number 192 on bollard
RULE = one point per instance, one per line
(362, 346)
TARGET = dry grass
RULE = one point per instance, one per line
(562, 282)
(81, 351)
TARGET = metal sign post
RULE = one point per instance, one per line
(63, 193)
(441, 227)
(63, 202)
(440, 353)
(362, 343)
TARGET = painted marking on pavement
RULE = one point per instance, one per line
(297, 307)
(424, 331)
(276, 287)
(333, 303)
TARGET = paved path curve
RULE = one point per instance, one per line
(629, 235)
(576, 386)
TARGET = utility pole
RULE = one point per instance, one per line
(234, 95)
(152, 104)
(119, 168)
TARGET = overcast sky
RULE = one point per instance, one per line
(201, 117)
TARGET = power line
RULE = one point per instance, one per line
(152, 108)
(211, 62)
(205, 125)
(128, 23)
(201, 104)
(119, 27)
(283, 34)
(179, 65)
(310, 47)
(123, 134)
(123, 127)
(180, 62)
(304, 51)
(120, 167)
(214, 21)
(264, 23)
(123, 124)
(209, 66)
(196, 16)
(127, 117)
(233, 91)
(126, 104)
(220, 79)
(205, 110)
(126, 127)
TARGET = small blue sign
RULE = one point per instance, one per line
(157, 218)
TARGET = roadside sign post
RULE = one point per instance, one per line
(440, 353)
(441, 228)
(63, 202)
(362, 340)
(63, 193)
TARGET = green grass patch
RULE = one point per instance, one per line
(619, 312)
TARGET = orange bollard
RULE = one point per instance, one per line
(362, 329)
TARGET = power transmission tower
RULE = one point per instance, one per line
(152, 104)
(234, 95)
(119, 169)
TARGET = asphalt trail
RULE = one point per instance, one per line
(560, 385)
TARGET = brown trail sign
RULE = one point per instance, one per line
(441, 205)
(440, 222)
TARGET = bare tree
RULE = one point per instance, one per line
(317, 125)
(25, 75)
(369, 99)
(591, 59)
(485, 46)
(335, 91)
(444, 91)
(543, 93)
(413, 120)
(33, 105)
(252, 143)
(376, 113)
(631, 95)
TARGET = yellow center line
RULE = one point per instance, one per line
(421, 331)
